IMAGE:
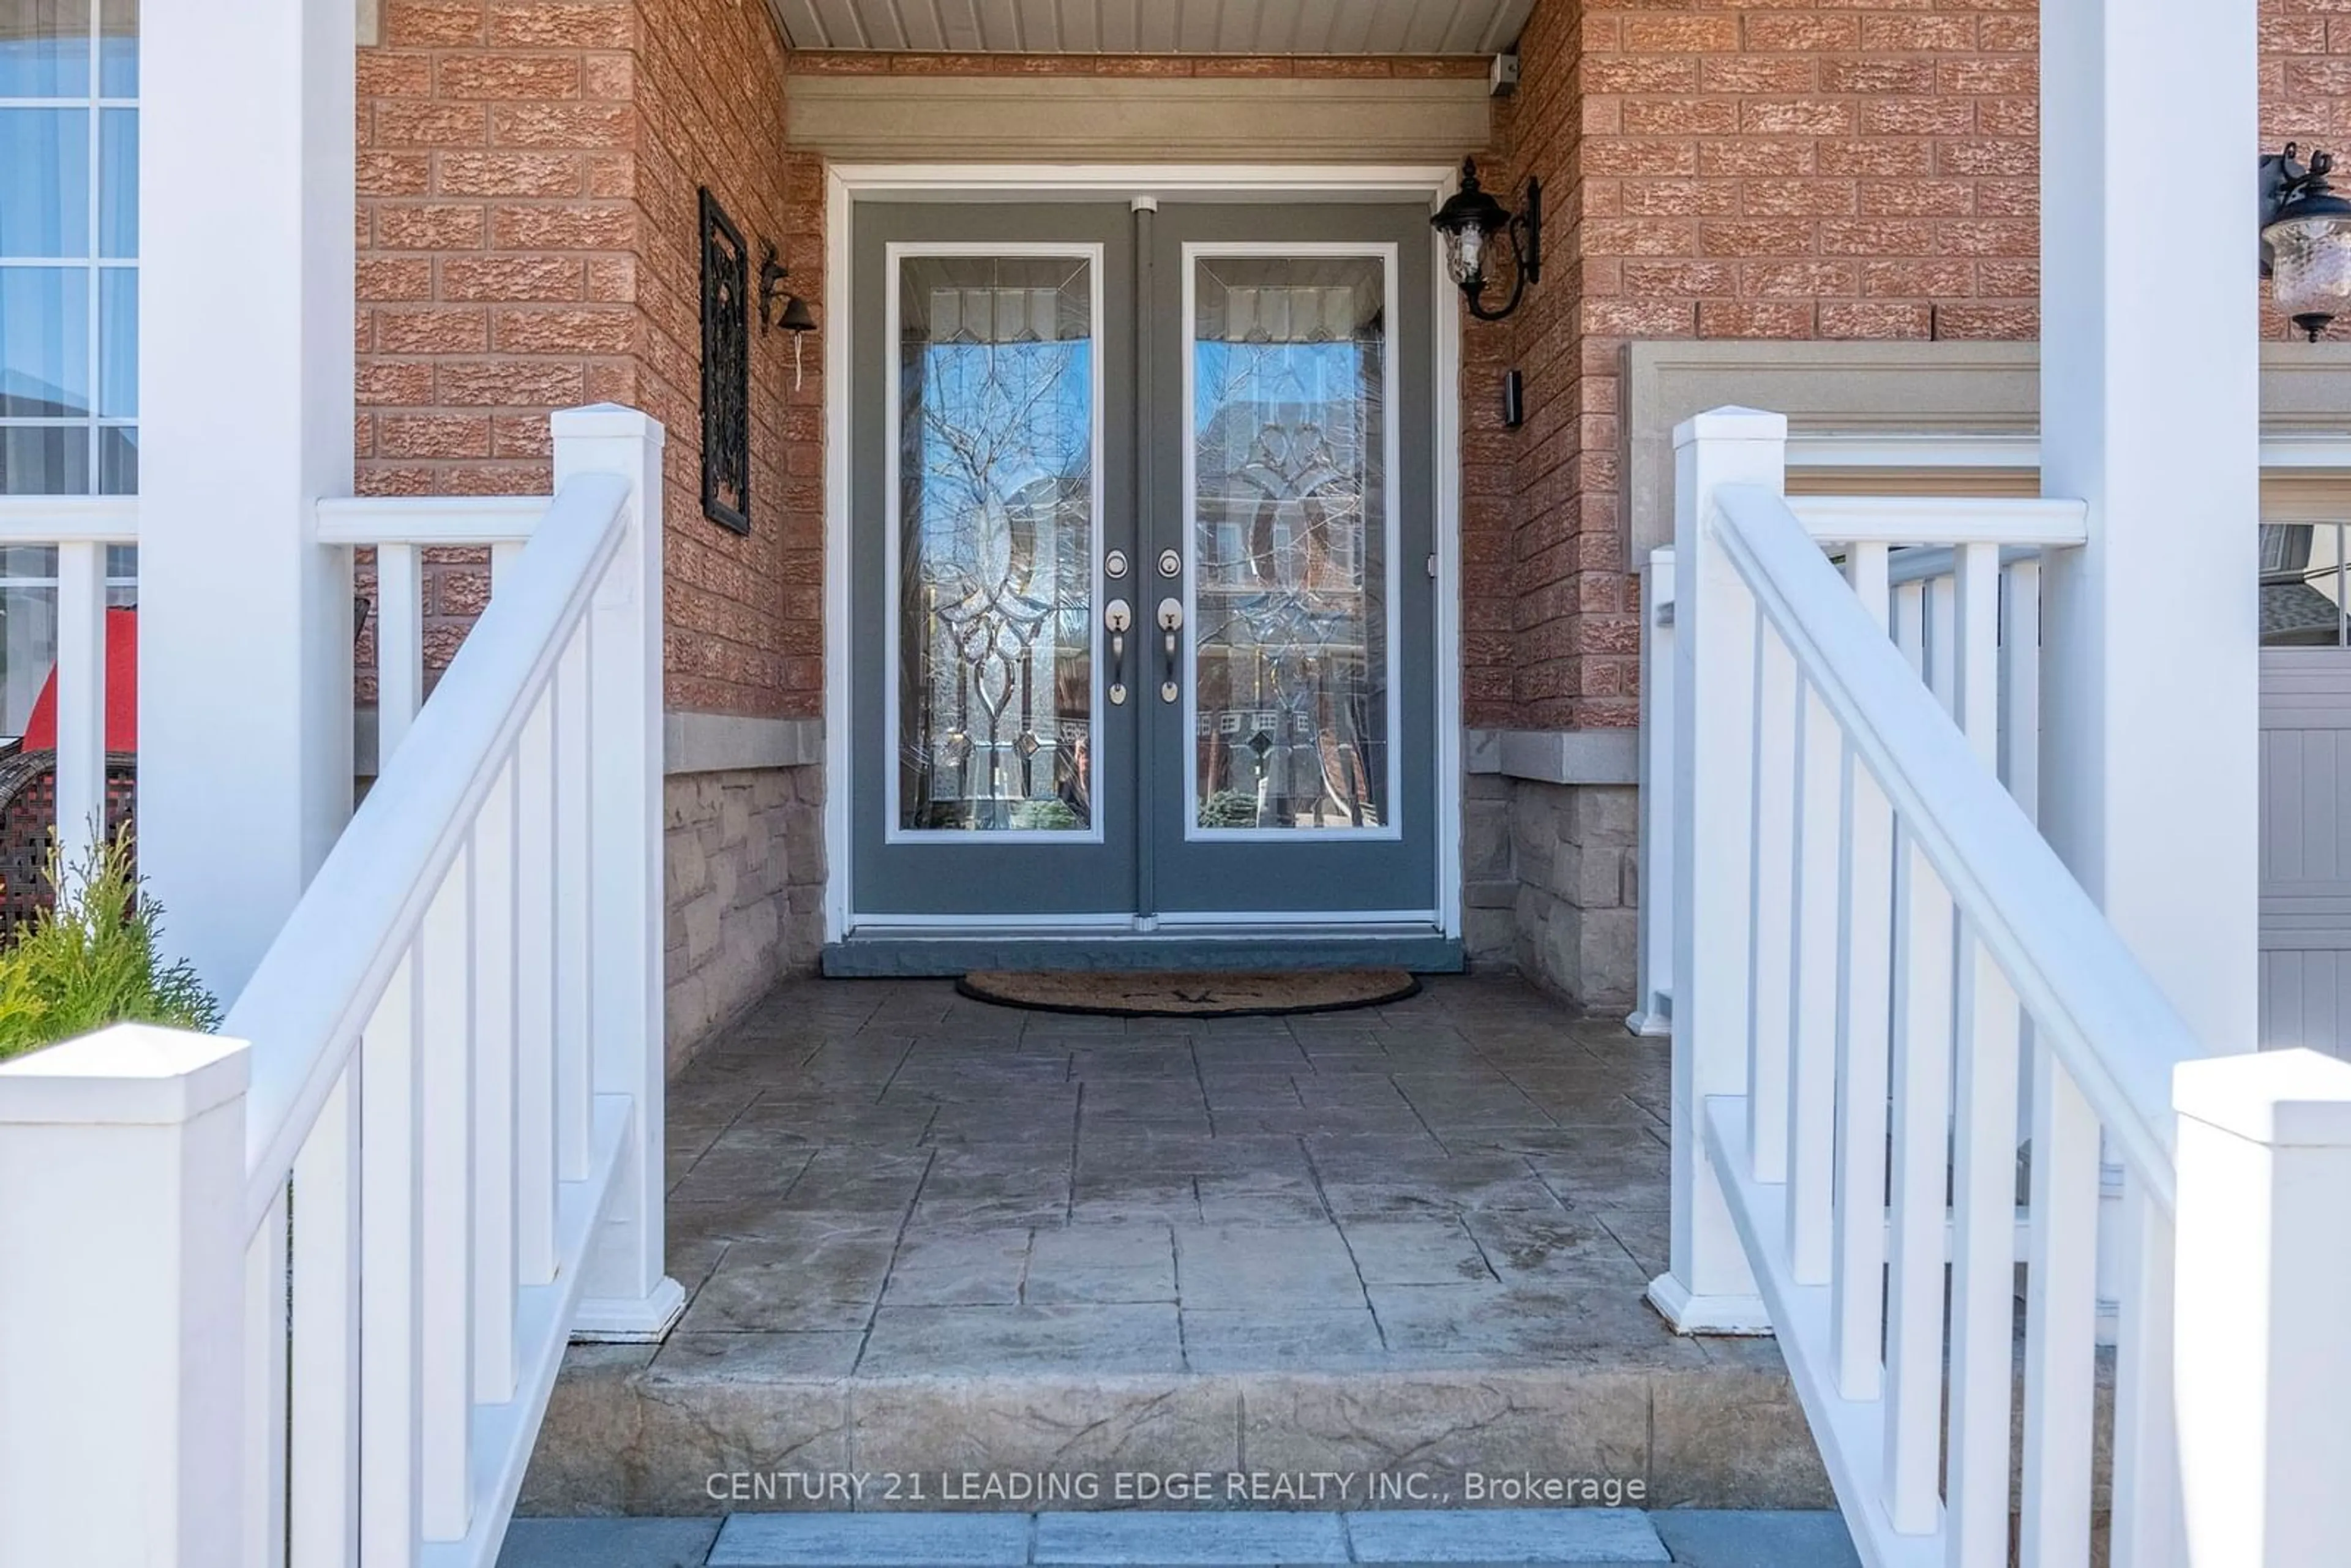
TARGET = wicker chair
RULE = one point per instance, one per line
(29, 809)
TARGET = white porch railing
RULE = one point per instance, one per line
(80, 529)
(1869, 937)
(298, 1293)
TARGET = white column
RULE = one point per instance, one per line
(2150, 413)
(628, 1294)
(121, 1290)
(246, 384)
(1708, 1289)
(2263, 1291)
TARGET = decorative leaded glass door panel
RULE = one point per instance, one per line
(992, 470)
(1140, 605)
(1293, 418)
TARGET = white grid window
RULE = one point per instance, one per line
(69, 247)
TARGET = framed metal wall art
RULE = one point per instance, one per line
(726, 370)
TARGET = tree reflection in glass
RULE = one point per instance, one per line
(1289, 368)
(997, 543)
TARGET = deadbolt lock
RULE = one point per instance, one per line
(1170, 564)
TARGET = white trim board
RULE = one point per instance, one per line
(1044, 118)
(727, 743)
(1558, 756)
(846, 182)
(1960, 417)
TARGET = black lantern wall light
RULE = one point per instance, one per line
(2305, 239)
(1473, 223)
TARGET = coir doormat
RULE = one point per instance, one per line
(1187, 994)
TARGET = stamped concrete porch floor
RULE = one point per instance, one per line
(926, 1234)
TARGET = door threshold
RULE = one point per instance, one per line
(881, 951)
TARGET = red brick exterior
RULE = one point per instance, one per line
(1715, 168)
(1816, 169)
(528, 239)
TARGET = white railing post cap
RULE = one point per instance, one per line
(606, 421)
(2282, 1099)
(1730, 423)
(128, 1074)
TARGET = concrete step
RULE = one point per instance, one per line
(1533, 1538)
(1709, 1423)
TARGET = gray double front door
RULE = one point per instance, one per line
(1142, 598)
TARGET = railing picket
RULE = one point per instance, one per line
(445, 958)
(536, 920)
(574, 889)
(2148, 1530)
(1983, 1178)
(399, 646)
(81, 697)
(2020, 684)
(1812, 1007)
(323, 1413)
(2060, 1312)
(391, 1316)
(1770, 931)
(1983, 1260)
(492, 928)
(266, 1327)
(1910, 623)
(1914, 1242)
(1865, 1004)
(1942, 636)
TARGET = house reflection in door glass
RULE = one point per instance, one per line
(2302, 572)
(1290, 543)
(995, 611)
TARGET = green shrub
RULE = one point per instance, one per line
(93, 960)
(1045, 814)
(1229, 808)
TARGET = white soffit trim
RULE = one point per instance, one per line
(1157, 27)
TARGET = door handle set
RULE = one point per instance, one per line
(1171, 621)
(1117, 616)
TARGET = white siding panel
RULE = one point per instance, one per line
(2305, 795)
(1160, 27)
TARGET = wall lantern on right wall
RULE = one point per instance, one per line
(1472, 223)
(2305, 239)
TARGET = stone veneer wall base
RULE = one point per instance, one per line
(1550, 832)
(746, 866)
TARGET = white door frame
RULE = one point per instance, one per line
(846, 183)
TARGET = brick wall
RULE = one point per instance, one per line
(528, 240)
(1808, 170)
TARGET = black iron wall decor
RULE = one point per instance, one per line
(726, 370)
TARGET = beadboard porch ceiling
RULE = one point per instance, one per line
(1158, 26)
